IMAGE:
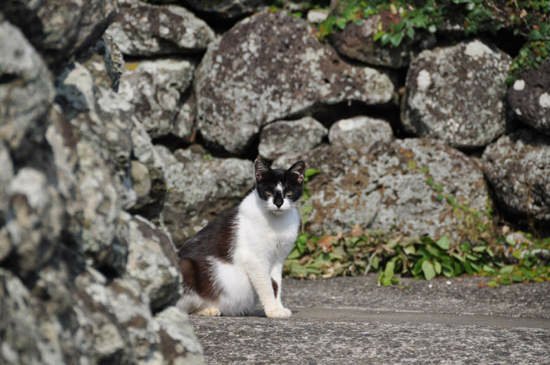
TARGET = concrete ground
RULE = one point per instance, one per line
(353, 321)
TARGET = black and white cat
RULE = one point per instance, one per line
(238, 257)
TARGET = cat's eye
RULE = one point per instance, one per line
(268, 194)
(289, 194)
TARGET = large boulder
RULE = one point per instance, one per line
(290, 137)
(143, 30)
(360, 130)
(456, 94)
(26, 89)
(517, 167)
(59, 28)
(226, 8)
(529, 97)
(198, 187)
(268, 67)
(411, 187)
(155, 90)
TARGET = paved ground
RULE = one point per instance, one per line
(353, 321)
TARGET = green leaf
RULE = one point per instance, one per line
(409, 250)
(506, 269)
(428, 269)
(443, 242)
(341, 23)
(437, 267)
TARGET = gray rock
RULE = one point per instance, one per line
(356, 41)
(147, 155)
(153, 262)
(290, 137)
(363, 131)
(155, 89)
(6, 174)
(34, 219)
(184, 124)
(26, 338)
(198, 187)
(178, 342)
(144, 30)
(456, 94)
(227, 8)
(269, 67)
(26, 90)
(517, 167)
(59, 28)
(149, 339)
(105, 63)
(141, 183)
(529, 97)
(102, 117)
(408, 187)
(90, 188)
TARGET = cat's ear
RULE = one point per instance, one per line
(260, 168)
(298, 168)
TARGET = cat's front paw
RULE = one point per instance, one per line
(278, 312)
(209, 312)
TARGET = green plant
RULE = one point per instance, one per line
(401, 20)
(482, 251)
(423, 257)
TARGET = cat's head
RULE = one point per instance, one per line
(279, 189)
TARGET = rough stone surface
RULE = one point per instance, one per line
(518, 168)
(6, 174)
(155, 89)
(59, 28)
(87, 183)
(199, 187)
(144, 30)
(25, 339)
(153, 263)
(226, 8)
(26, 89)
(178, 342)
(361, 131)
(270, 67)
(184, 123)
(290, 137)
(105, 63)
(456, 94)
(356, 41)
(529, 98)
(35, 219)
(147, 157)
(386, 188)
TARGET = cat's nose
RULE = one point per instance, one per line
(278, 202)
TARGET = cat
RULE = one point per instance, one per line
(238, 257)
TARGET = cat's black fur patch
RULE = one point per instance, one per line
(275, 287)
(216, 239)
